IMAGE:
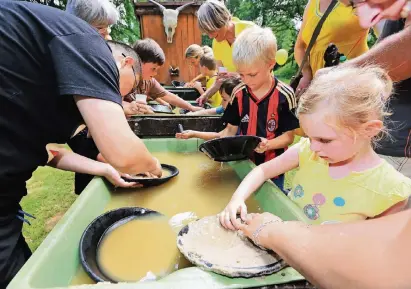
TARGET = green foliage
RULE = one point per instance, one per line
(50, 194)
(205, 40)
(280, 16)
(371, 38)
(286, 71)
(127, 29)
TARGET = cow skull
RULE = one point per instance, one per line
(170, 18)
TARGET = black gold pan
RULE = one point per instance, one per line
(151, 182)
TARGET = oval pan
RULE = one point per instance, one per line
(103, 224)
(236, 272)
(159, 108)
(151, 182)
(228, 149)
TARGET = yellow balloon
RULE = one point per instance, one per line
(281, 56)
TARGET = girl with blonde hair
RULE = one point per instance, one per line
(340, 177)
(193, 55)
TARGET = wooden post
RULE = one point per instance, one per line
(187, 33)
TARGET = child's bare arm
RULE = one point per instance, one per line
(284, 163)
(197, 85)
(197, 78)
(210, 111)
(228, 131)
(70, 161)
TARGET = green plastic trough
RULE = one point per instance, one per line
(56, 261)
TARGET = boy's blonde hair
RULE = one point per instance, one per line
(352, 95)
(197, 51)
(212, 16)
(253, 45)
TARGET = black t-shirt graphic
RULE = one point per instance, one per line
(46, 57)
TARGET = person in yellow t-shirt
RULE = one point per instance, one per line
(215, 20)
(193, 55)
(341, 28)
(208, 69)
(340, 177)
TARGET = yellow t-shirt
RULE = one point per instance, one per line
(341, 28)
(357, 196)
(216, 99)
(224, 51)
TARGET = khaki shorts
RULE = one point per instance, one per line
(403, 165)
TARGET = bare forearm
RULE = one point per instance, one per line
(368, 255)
(200, 90)
(299, 54)
(177, 101)
(392, 53)
(206, 135)
(197, 78)
(250, 184)
(210, 111)
(70, 161)
(212, 90)
(113, 136)
(281, 141)
(265, 171)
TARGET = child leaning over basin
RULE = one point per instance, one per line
(193, 55)
(340, 177)
(263, 106)
(227, 87)
(208, 68)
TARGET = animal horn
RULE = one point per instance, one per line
(162, 8)
(181, 8)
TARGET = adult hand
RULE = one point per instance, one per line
(262, 146)
(158, 170)
(114, 177)
(189, 84)
(137, 107)
(185, 134)
(303, 85)
(201, 100)
(256, 227)
(197, 85)
(228, 217)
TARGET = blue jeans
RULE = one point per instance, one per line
(279, 182)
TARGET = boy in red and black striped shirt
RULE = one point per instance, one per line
(263, 106)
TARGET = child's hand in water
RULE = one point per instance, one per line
(185, 134)
(262, 146)
(228, 217)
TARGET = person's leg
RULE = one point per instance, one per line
(14, 251)
(401, 164)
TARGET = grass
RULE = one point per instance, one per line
(50, 194)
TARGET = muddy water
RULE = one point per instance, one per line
(202, 188)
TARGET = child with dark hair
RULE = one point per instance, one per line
(208, 69)
(226, 89)
(152, 58)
